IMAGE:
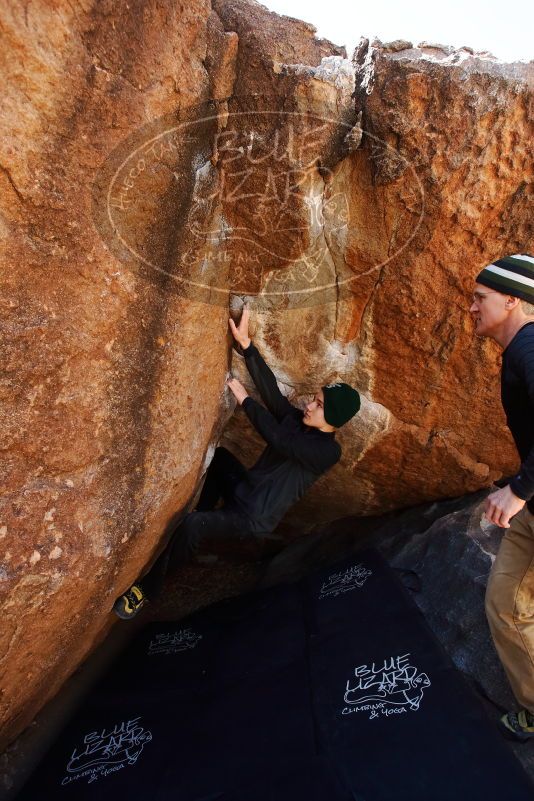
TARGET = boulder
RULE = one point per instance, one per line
(159, 164)
(437, 187)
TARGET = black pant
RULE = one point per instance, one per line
(208, 530)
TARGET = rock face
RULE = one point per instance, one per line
(90, 386)
(159, 163)
(440, 184)
(112, 382)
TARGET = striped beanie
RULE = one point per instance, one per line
(513, 275)
(341, 402)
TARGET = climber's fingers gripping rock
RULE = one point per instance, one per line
(240, 332)
(240, 393)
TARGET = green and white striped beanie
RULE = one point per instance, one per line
(512, 275)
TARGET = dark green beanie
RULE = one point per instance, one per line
(341, 402)
(512, 275)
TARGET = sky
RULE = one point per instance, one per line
(506, 29)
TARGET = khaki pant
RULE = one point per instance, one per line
(510, 606)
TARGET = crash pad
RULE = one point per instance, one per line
(332, 688)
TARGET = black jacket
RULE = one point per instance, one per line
(295, 456)
(517, 395)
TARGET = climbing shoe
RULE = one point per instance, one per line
(518, 725)
(129, 604)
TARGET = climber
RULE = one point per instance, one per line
(301, 446)
(505, 314)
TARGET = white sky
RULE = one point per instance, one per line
(506, 28)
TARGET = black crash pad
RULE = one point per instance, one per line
(329, 689)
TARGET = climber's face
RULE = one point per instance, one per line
(314, 411)
(489, 310)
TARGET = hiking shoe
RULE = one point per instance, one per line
(518, 725)
(129, 604)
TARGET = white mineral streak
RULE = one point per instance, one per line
(340, 358)
(334, 70)
(203, 172)
(208, 457)
(369, 426)
(471, 61)
(366, 70)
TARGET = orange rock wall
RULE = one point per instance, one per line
(440, 186)
(114, 365)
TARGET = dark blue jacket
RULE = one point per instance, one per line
(517, 395)
(295, 456)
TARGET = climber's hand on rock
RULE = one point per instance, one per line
(500, 506)
(240, 331)
(238, 389)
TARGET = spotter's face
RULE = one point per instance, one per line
(488, 310)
